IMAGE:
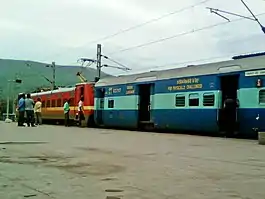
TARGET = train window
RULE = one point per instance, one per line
(208, 99)
(194, 99)
(59, 103)
(101, 103)
(82, 89)
(180, 100)
(48, 103)
(43, 103)
(111, 103)
(53, 103)
(262, 96)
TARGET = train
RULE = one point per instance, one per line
(189, 98)
(53, 101)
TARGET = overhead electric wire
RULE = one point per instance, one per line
(116, 62)
(140, 25)
(177, 35)
(255, 18)
(150, 21)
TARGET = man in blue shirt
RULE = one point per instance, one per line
(29, 107)
(21, 110)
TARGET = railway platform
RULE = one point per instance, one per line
(57, 162)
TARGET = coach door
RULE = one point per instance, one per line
(79, 92)
(144, 105)
(100, 98)
(228, 118)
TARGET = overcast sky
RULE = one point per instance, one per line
(64, 30)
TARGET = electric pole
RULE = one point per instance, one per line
(53, 75)
(98, 61)
(99, 65)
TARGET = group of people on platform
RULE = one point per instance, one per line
(27, 107)
(32, 110)
(66, 109)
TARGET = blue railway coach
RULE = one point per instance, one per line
(189, 98)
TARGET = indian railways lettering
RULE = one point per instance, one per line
(113, 91)
(255, 73)
(129, 90)
(186, 84)
(188, 81)
(116, 90)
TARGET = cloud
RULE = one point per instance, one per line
(64, 30)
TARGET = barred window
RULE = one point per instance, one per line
(208, 99)
(53, 103)
(194, 99)
(59, 103)
(111, 103)
(82, 89)
(180, 100)
(262, 96)
(101, 103)
(48, 104)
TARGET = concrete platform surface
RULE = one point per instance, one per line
(79, 163)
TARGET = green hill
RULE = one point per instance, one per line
(31, 73)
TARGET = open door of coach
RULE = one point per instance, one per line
(228, 117)
(144, 106)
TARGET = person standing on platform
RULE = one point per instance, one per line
(29, 107)
(21, 110)
(230, 110)
(81, 111)
(66, 109)
(37, 110)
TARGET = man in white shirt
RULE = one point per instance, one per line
(37, 110)
(81, 110)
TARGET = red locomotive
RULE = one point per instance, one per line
(53, 101)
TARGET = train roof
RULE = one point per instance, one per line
(60, 90)
(239, 63)
(83, 83)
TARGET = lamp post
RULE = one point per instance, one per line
(18, 81)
